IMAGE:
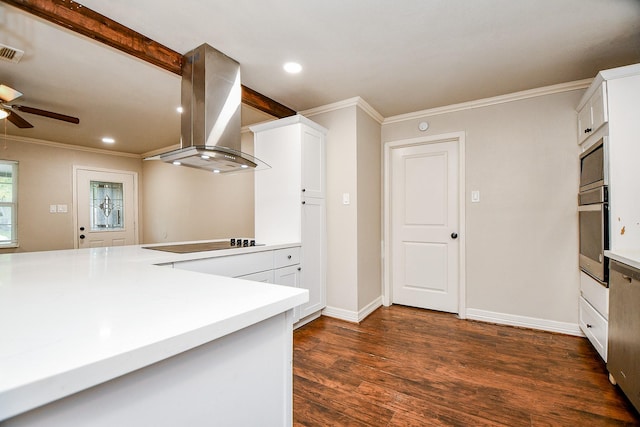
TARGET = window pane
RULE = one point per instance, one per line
(8, 203)
(106, 200)
(6, 182)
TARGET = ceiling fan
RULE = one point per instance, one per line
(7, 110)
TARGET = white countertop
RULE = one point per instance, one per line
(630, 257)
(73, 319)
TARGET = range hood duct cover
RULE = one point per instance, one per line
(211, 117)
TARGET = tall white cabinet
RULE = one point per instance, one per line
(609, 110)
(290, 199)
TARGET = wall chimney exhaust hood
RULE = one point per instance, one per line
(211, 117)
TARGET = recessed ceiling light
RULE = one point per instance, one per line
(244, 166)
(204, 157)
(180, 110)
(216, 171)
(292, 67)
(108, 140)
(177, 163)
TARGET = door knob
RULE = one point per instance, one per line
(82, 236)
(454, 235)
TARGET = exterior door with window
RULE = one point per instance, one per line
(106, 208)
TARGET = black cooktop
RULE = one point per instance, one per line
(185, 248)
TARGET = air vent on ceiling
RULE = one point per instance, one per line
(11, 54)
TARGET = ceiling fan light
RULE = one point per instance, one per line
(3, 114)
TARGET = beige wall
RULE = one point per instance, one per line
(369, 205)
(353, 231)
(342, 264)
(522, 238)
(175, 203)
(45, 177)
(182, 204)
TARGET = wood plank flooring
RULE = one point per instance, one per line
(409, 367)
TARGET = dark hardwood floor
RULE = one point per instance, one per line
(409, 367)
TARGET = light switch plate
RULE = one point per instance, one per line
(475, 196)
(62, 208)
(53, 209)
(346, 199)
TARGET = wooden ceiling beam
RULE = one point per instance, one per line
(82, 20)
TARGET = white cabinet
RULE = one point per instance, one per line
(313, 255)
(593, 113)
(610, 108)
(267, 266)
(290, 197)
(289, 276)
(230, 266)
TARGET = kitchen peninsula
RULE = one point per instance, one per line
(107, 335)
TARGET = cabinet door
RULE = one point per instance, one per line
(599, 107)
(313, 159)
(584, 122)
(289, 276)
(313, 255)
(263, 277)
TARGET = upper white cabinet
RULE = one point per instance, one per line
(592, 112)
(289, 197)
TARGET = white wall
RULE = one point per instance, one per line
(522, 238)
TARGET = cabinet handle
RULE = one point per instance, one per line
(304, 203)
(627, 278)
(288, 256)
(304, 189)
(587, 130)
(589, 325)
(299, 268)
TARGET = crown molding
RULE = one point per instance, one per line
(485, 102)
(351, 102)
(63, 146)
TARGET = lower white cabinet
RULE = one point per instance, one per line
(313, 255)
(279, 266)
(594, 313)
(289, 276)
(262, 276)
(231, 265)
(594, 327)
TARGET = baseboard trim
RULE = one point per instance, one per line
(353, 316)
(524, 322)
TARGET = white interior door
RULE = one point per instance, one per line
(424, 221)
(106, 208)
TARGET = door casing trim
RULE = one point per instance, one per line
(459, 137)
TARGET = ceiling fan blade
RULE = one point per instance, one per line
(8, 94)
(46, 113)
(18, 121)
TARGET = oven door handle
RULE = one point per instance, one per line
(591, 208)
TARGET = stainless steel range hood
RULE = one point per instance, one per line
(211, 102)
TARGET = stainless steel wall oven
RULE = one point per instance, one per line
(593, 211)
